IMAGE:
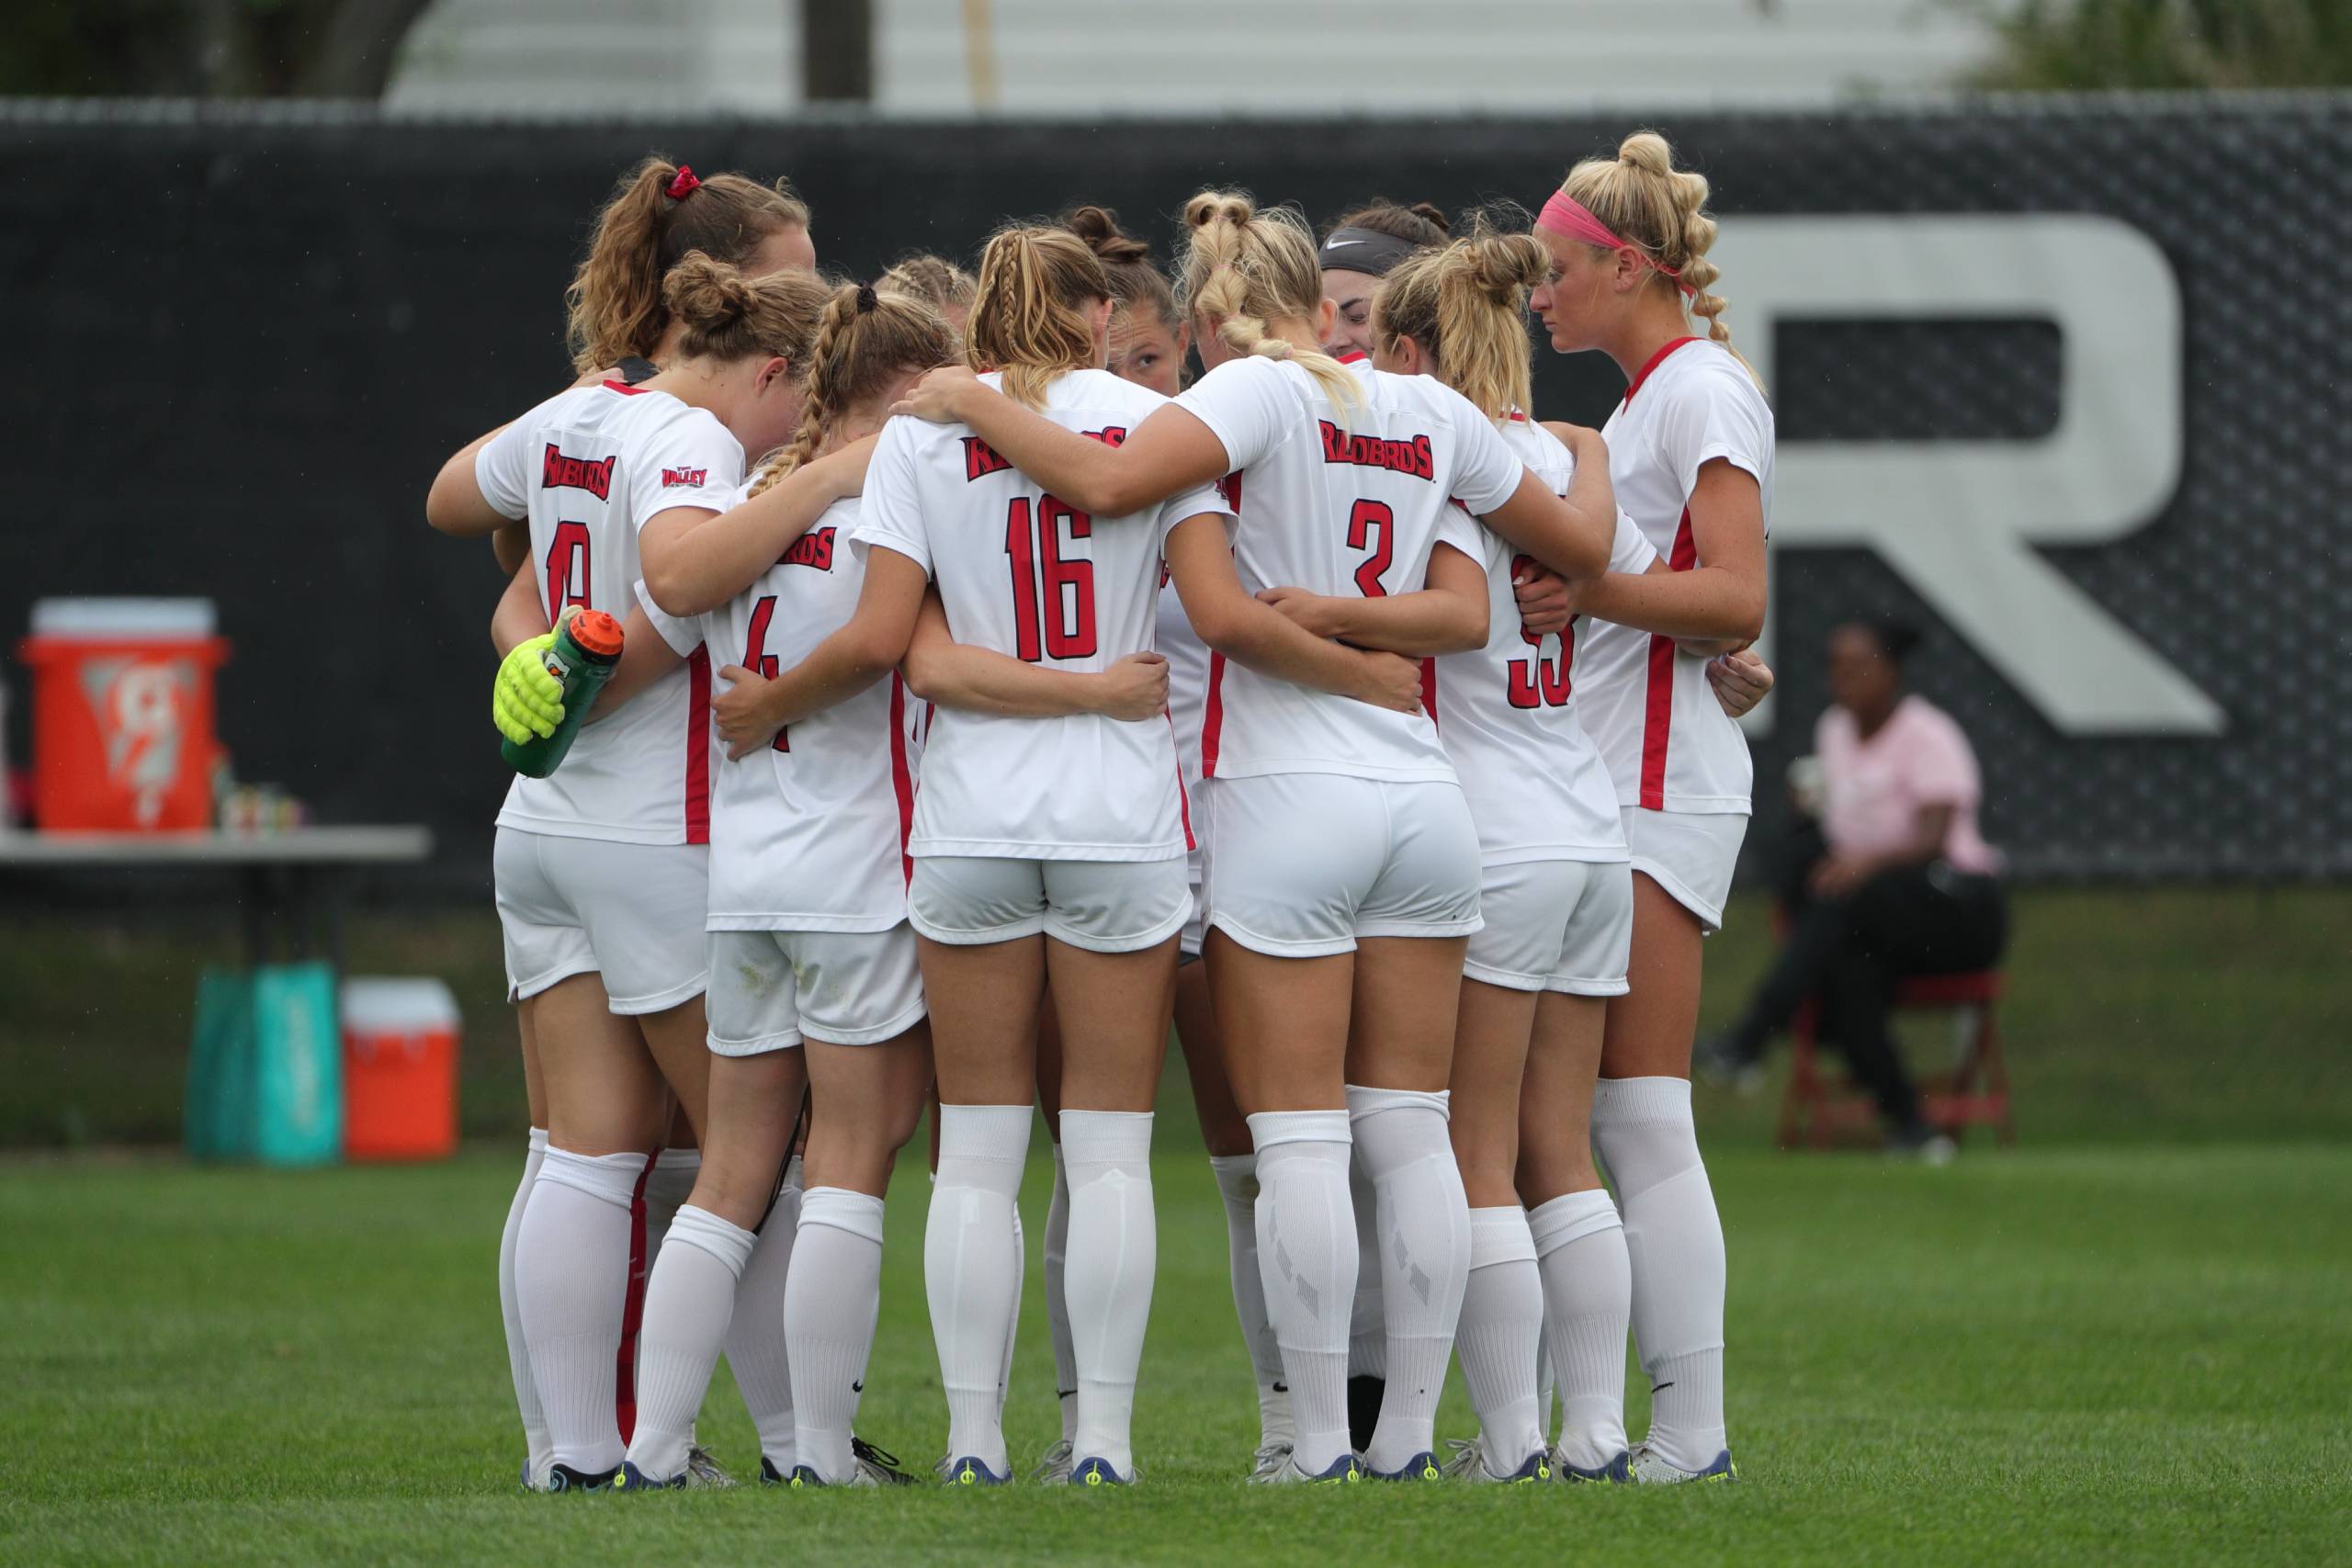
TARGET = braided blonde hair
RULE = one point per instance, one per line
(1029, 317)
(864, 341)
(1661, 211)
(1244, 268)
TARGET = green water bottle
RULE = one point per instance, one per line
(586, 650)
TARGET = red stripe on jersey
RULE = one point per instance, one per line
(902, 782)
(699, 743)
(1355, 356)
(1651, 364)
(1183, 801)
(1213, 718)
(632, 1308)
(1429, 687)
(624, 388)
(1657, 717)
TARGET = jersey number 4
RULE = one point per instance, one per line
(1536, 681)
(760, 661)
(1053, 599)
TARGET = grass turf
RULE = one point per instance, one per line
(2124, 1355)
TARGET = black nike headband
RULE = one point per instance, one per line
(1365, 250)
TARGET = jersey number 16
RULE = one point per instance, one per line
(1053, 599)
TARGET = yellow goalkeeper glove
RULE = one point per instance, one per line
(526, 702)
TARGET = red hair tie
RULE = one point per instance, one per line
(685, 185)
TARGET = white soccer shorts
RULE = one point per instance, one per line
(630, 913)
(1104, 905)
(1556, 925)
(773, 990)
(1689, 853)
(1301, 865)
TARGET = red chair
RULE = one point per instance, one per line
(1974, 1092)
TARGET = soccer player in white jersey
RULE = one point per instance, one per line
(1040, 845)
(1691, 450)
(1148, 343)
(658, 213)
(601, 868)
(1333, 824)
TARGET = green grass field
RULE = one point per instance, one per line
(2124, 1341)
(2090, 1356)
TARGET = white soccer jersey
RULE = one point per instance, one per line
(1668, 744)
(1026, 575)
(1188, 695)
(588, 468)
(1338, 505)
(808, 833)
(1507, 712)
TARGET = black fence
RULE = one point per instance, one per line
(2061, 382)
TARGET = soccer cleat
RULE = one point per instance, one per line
(970, 1472)
(704, 1472)
(1618, 1471)
(628, 1478)
(526, 1477)
(1270, 1460)
(1422, 1466)
(1346, 1469)
(1054, 1465)
(563, 1478)
(1469, 1463)
(770, 1475)
(877, 1467)
(1097, 1473)
(1649, 1469)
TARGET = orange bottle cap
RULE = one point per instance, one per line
(597, 633)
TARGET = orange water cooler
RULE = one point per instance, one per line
(400, 1069)
(122, 714)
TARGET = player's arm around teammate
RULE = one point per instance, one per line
(1690, 449)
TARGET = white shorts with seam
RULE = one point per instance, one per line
(1103, 906)
(1302, 865)
(772, 990)
(630, 913)
(1691, 854)
(1554, 925)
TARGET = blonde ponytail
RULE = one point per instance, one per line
(864, 340)
(1244, 268)
(1661, 211)
(1465, 306)
(1029, 317)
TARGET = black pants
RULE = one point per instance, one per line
(1850, 955)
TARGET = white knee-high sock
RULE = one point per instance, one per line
(755, 1348)
(1114, 1245)
(1502, 1326)
(1012, 1322)
(972, 1268)
(1675, 1240)
(1306, 1255)
(1587, 1297)
(1367, 1328)
(1546, 1384)
(1237, 1183)
(1056, 1302)
(1424, 1258)
(689, 1303)
(830, 1307)
(518, 1350)
(571, 1290)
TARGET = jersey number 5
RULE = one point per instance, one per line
(1535, 681)
(1369, 528)
(760, 661)
(568, 569)
(1052, 600)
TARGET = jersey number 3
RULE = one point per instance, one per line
(1053, 599)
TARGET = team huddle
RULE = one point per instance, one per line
(993, 694)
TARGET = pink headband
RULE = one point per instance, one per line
(1569, 217)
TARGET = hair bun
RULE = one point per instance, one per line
(1211, 207)
(1432, 213)
(1099, 226)
(867, 298)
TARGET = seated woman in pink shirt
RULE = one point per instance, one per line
(1900, 882)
